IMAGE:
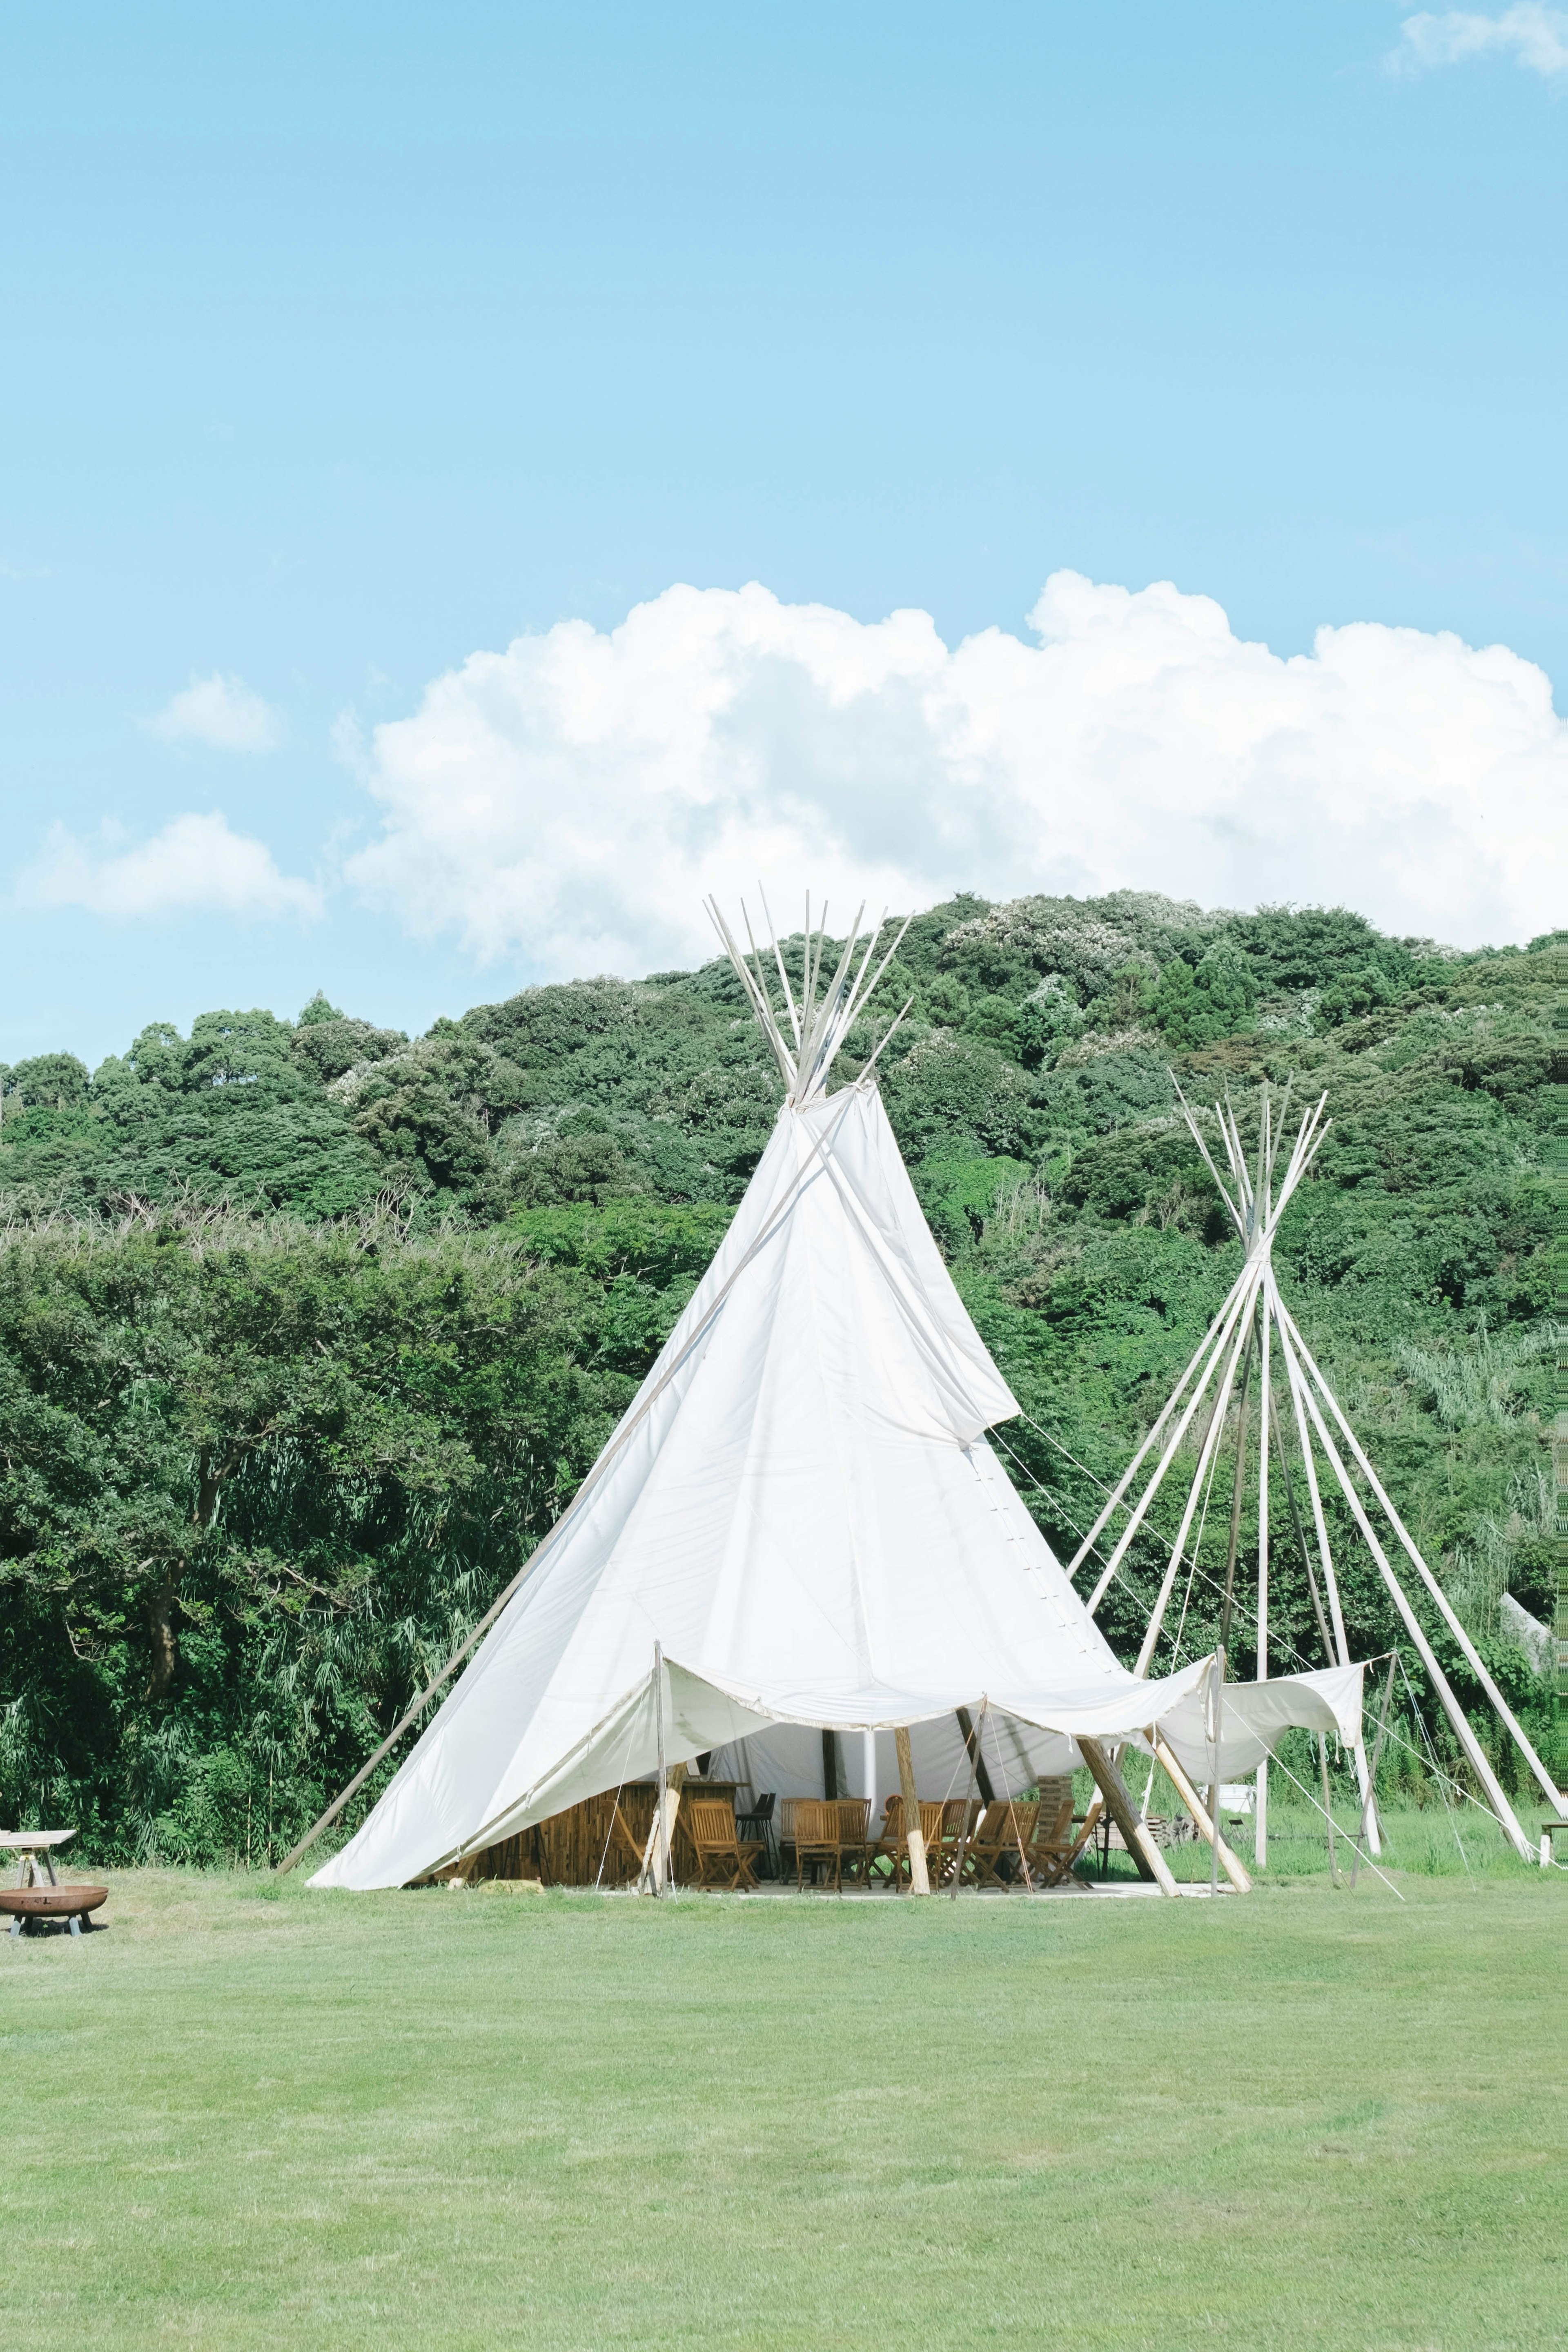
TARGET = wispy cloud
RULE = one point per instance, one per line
(195, 866)
(1534, 36)
(220, 711)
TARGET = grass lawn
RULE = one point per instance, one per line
(491, 2118)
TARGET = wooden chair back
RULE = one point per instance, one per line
(959, 1815)
(1009, 1822)
(816, 1822)
(711, 1824)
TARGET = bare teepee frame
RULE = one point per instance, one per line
(1255, 1325)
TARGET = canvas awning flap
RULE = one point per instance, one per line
(1252, 1716)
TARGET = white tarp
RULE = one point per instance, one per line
(801, 1507)
(1250, 1718)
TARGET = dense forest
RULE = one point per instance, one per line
(308, 1330)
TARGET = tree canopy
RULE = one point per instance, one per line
(309, 1328)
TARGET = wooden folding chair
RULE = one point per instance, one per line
(954, 1817)
(1009, 1822)
(854, 1834)
(817, 1839)
(1054, 1849)
(720, 1853)
(894, 1846)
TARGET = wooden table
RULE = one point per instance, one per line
(30, 1844)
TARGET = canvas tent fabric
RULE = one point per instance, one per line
(788, 1759)
(800, 1508)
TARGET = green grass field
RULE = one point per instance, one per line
(495, 2119)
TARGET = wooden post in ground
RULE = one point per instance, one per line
(658, 1874)
(1370, 1796)
(919, 1881)
(660, 1812)
(661, 1831)
(1328, 1806)
(1260, 1804)
(1151, 1863)
(1232, 1868)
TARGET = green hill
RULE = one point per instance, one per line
(307, 1329)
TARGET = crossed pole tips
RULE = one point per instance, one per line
(1254, 1326)
(819, 1017)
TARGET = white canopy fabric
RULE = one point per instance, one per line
(801, 1509)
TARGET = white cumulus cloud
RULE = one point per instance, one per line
(568, 802)
(219, 711)
(1536, 37)
(195, 866)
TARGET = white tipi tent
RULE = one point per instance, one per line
(798, 1521)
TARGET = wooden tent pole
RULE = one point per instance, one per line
(1232, 1867)
(1237, 1489)
(1481, 1763)
(920, 1881)
(1222, 1405)
(1227, 1605)
(971, 1741)
(1298, 1389)
(663, 1776)
(1223, 1337)
(1325, 1635)
(1328, 1806)
(1147, 1857)
(1261, 1801)
(1476, 1663)
(1213, 1339)
(1376, 1759)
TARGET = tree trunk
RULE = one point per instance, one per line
(165, 1652)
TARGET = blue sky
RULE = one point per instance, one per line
(345, 346)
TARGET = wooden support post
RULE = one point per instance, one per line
(662, 1816)
(919, 1881)
(661, 1831)
(1480, 1764)
(971, 1741)
(1370, 1796)
(1233, 1869)
(829, 1766)
(1328, 1806)
(1151, 1863)
(1296, 1383)
(658, 1876)
(1239, 1342)
(1260, 1670)
(977, 1760)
